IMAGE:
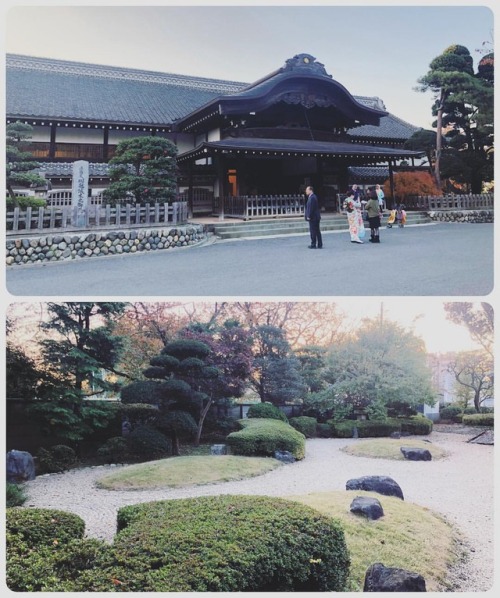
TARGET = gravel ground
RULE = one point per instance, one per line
(459, 487)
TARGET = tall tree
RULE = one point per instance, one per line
(474, 372)
(381, 366)
(144, 170)
(20, 163)
(276, 370)
(477, 318)
(231, 355)
(172, 387)
(80, 352)
(463, 107)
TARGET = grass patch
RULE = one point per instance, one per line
(177, 472)
(408, 537)
(389, 448)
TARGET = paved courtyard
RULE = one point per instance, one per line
(423, 260)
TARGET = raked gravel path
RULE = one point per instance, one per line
(459, 487)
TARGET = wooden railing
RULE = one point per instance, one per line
(94, 217)
(483, 201)
(271, 206)
(63, 197)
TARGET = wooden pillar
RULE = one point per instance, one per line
(220, 168)
(105, 144)
(391, 184)
(52, 143)
(190, 190)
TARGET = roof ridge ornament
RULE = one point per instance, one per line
(305, 61)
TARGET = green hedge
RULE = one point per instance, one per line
(366, 428)
(417, 425)
(217, 544)
(479, 419)
(262, 437)
(305, 425)
(266, 411)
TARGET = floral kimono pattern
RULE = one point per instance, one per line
(355, 221)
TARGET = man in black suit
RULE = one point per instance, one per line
(313, 216)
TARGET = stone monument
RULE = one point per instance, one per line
(80, 193)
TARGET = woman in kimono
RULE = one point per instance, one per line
(354, 217)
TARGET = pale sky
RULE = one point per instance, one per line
(373, 50)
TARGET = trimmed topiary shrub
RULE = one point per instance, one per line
(263, 437)
(366, 428)
(324, 431)
(230, 544)
(479, 419)
(148, 443)
(417, 425)
(15, 495)
(305, 425)
(114, 450)
(218, 544)
(266, 411)
(55, 459)
(451, 413)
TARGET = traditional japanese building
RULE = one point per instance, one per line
(294, 127)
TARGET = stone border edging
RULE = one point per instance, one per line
(472, 216)
(69, 246)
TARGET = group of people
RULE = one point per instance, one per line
(356, 208)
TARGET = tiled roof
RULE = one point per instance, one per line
(38, 87)
(59, 89)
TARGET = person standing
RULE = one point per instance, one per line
(313, 216)
(373, 209)
(380, 197)
(354, 218)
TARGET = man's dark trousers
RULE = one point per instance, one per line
(314, 230)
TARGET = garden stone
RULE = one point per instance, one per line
(416, 454)
(379, 578)
(381, 484)
(20, 467)
(218, 449)
(395, 435)
(284, 456)
(367, 506)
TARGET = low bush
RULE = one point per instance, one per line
(229, 544)
(304, 424)
(417, 425)
(147, 443)
(223, 543)
(479, 419)
(263, 437)
(16, 496)
(324, 430)
(114, 450)
(56, 459)
(266, 411)
(25, 202)
(451, 413)
(366, 428)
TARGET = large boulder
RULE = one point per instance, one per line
(284, 456)
(368, 507)
(376, 483)
(416, 454)
(20, 467)
(379, 578)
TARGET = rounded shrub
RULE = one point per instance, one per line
(263, 437)
(452, 413)
(304, 424)
(479, 419)
(55, 459)
(148, 443)
(229, 544)
(266, 411)
(365, 428)
(41, 527)
(114, 450)
(417, 425)
(16, 496)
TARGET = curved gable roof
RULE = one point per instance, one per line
(301, 81)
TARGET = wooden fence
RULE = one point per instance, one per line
(95, 216)
(248, 207)
(483, 201)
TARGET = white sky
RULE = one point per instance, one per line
(373, 50)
